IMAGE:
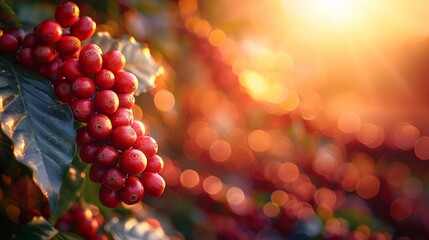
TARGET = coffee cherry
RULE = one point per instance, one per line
(29, 41)
(90, 61)
(71, 69)
(96, 173)
(26, 58)
(123, 116)
(82, 109)
(68, 45)
(16, 32)
(82, 136)
(107, 156)
(84, 28)
(132, 162)
(132, 192)
(108, 197)
(99, 236)
(123, 137)
(114, 60)
(126, 100)
(8, 43)
(106, 101)
(90, 46)
(154, 164)
(153, 183)
(104, 79)
(55, 72)
(125, 82)
(87, 227)
(44, 53)
(83, 87)
(139, 127)
(114, 178)
(49, 32)
(147, 145)
(99, 127)
(88, 152)
(66, 14)
(63, 91)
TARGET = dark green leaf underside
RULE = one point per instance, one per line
(39, 228)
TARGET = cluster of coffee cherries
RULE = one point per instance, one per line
(101, 95)
(85, 221)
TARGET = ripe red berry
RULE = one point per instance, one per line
(55, 72)
(8, 43)
(44, 53)
(83, 28)
(106, 101)
(82, 136)
(49, 32)
(96, 173)
(90, 61)
(82, 109)
(16, 32)
(132, 192)
(114, 60)
(125, 82)
(154, 164)
(71, 69)
(88, 152)
(108, 197)
(67, 14)
(114, 178)
(29, 41)
(126, 100)
(99, 236)
(107, 156)
(63, 91)
(147, 145)
(99, 127)
(87, 227)
(26, 58)
(89, 47)
(139, 127)
(104, 79)
(68, 45)
(123, 137)
(83, 87)
(153, 183)
(123, 116)
(132, 162)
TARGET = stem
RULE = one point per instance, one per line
(8, 14)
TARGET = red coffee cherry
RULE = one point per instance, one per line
(49, 32)
(71, 69)
(96, 173)
(107, 156)
(123, 116)
(126, 100)
(8, 43)
(84, 28)
(132, 192)
(139, 127)
(100, 236)
(82, 136)
(106, 101)
(125, 82)
(88, 152)
(64, 92)
(68, 45)
(16, 32)
(114, 178)
(154, 164)
(87, 227)
(114, 60)
(44, 53)
(82, 109)
(90, 61)
(55, 72)
(153, 183)
(66, 14)
(99, 127)
(83, 87)
(123, 137)
(132, 162)
(104, 79)
(29, 41)
(91, 46)
(108, 197)
(26, 58)
(147, 145)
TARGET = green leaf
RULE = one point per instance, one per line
(40, 127)
(139, 60)
(131, 228)
(7, 15)
(40, 228)
(72, 186)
